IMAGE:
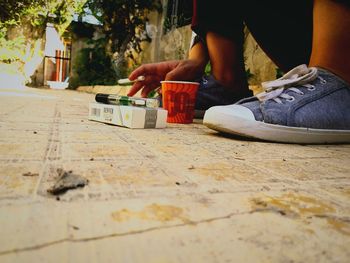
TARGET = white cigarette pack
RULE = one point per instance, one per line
(128, 116)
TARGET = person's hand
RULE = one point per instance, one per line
(167, 70)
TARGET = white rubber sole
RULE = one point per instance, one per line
(225, 120)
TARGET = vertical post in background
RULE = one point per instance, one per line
(57, 59)
(63, 67)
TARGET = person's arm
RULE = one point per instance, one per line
(188, 69)
(193, 67)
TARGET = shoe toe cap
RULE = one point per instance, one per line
(229, 112)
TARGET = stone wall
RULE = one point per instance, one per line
(170, 45)
(173, 45)
(29, 54)
(259, 64)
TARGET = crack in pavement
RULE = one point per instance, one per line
(134, 232)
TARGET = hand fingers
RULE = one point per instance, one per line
(181, 72)
(135, 88)
(153, 72)
(140, 71)
(150, 81)
(160, 69)
(145, 91)
(148, 69)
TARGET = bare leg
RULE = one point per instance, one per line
(226, 58)
(331, 37)
(222, 28)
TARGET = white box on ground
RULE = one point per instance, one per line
(128, 116)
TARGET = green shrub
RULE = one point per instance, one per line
(93, 67)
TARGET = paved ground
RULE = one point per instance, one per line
(180, 194)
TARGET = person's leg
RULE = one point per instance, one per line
(221, 29)
(283, 31)
(331, 37)
(227, 63)
(309, 104)
(285, 34)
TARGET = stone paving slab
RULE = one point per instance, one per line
(179, 194)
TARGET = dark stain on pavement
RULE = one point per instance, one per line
(67, 180)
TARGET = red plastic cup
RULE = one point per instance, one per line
(178, 98)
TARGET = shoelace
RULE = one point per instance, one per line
(204, 80)
(299, 76)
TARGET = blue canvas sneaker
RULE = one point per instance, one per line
(212, 93)
(306, 105)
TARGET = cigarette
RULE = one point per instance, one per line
(127, 101)
(128, 81)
